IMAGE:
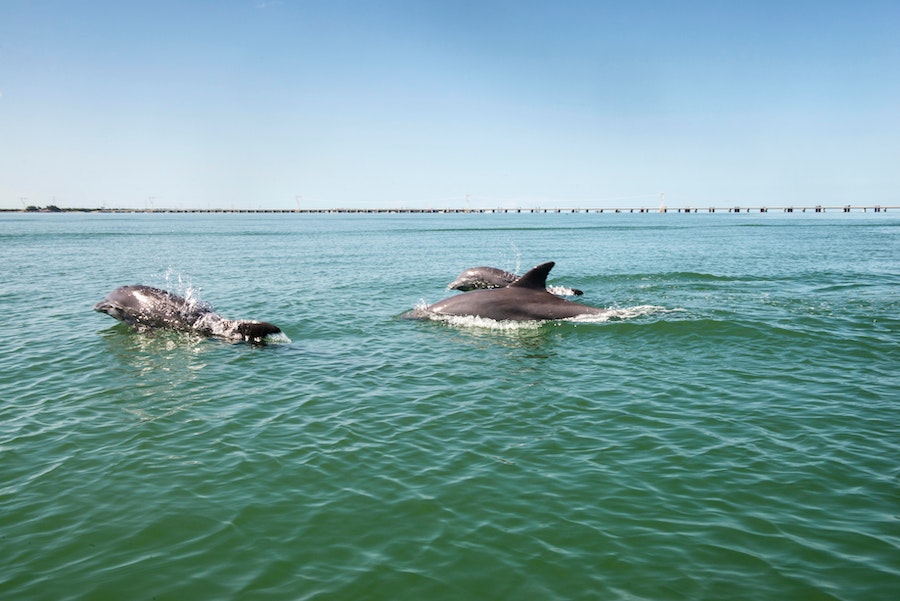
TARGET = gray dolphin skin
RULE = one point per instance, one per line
(479, 278)
(523, 300)
(148, 307)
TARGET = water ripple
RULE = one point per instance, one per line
(738, 444)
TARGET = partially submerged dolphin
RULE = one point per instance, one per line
(524, 299)
(144, 306)
(479, 278)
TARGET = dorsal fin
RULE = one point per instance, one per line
(535, 278)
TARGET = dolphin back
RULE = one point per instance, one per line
(152, 307)
(477, 278)
(145, 306)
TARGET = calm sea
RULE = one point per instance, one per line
(733, 434)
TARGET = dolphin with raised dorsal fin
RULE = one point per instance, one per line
(523, 300)
(148, 307)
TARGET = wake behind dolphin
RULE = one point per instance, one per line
(525, 299)
(148, 307)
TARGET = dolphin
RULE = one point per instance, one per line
(478, 278)
(148, 307)
(524, 299)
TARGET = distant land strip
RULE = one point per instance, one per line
(731, 209)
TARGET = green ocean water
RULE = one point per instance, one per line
(732, 434)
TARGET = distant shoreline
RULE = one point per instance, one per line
(344, 210)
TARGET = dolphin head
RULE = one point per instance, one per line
(125, 303)
(111, 309)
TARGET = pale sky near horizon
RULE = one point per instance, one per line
(250, 103)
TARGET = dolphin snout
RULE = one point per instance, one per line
(110, 309)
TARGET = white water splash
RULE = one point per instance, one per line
(518, 258)
(420, 311)
(621, 314)
(182, 285)
(485, 323)
(561, 291)
(279, 338)
(178, 283)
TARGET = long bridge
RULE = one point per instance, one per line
(351, 210)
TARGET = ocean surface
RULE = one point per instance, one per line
(732, 431)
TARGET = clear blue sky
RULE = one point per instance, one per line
(251, 103)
